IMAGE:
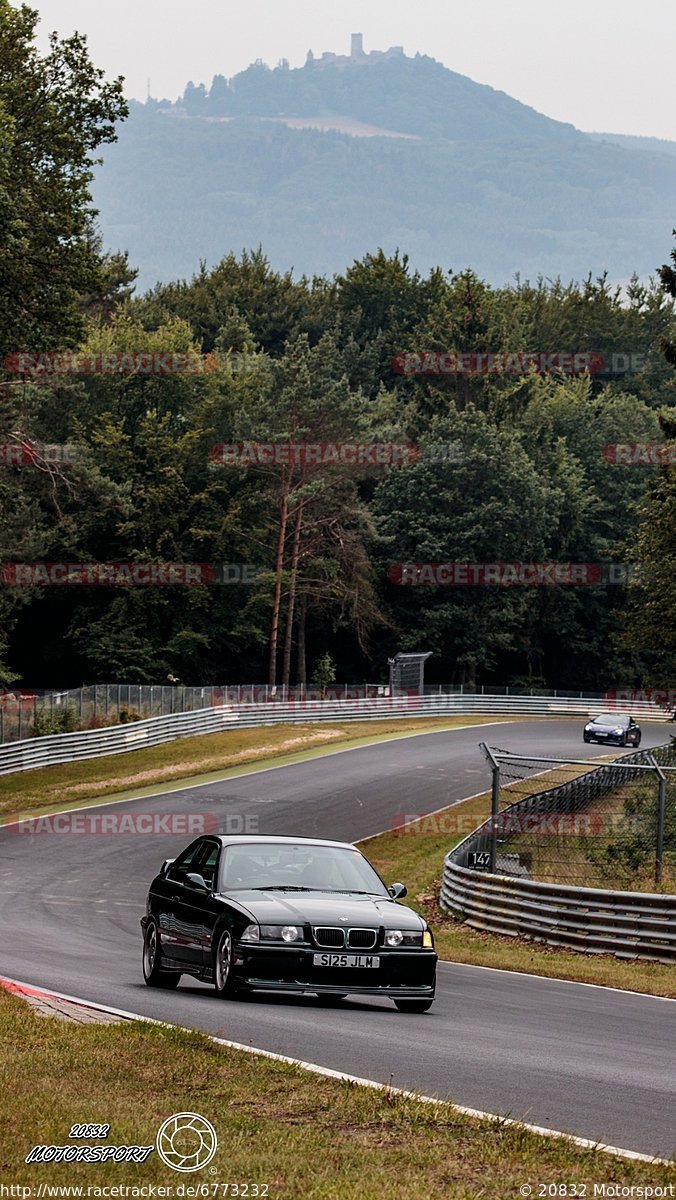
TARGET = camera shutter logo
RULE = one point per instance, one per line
(186, 1142)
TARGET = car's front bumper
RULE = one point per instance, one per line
(400, 973)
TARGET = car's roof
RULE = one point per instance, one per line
(260, 839)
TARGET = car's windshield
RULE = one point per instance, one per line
(298, 866)
(611, 719)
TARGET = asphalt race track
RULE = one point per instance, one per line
(597, 1063)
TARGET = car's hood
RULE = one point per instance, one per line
(595, 727)
(323, 908)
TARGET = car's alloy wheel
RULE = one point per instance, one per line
(152, 973)
(414, 1006)
(223, 956)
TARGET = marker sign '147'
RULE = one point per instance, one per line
(478, 860)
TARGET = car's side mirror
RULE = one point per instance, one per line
(165, 866)
(197, 881)
(397, 891)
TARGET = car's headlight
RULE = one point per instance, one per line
(283, 933)
(400, 937)
(619, 731)
(428, 940)
(252, 933)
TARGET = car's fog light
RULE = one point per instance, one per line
(394, 937)
(291, 933)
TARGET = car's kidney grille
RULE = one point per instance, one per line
(362, 939)
(327, 935)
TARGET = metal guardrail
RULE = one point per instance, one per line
(121, 739)
(627, 924)
(26, 714)
(593, 920)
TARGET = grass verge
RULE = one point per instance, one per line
(415, 856)
(206, 756)
(303, 1135)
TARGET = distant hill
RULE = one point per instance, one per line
(479, 179)
(652, 144)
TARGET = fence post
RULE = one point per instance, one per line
(495, 803)
(661, 810)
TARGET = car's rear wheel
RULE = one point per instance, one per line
(223, 966)
(152, 972)
(414, 1006)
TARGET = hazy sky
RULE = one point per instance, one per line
(604, 65)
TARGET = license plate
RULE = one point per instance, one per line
(346, 960)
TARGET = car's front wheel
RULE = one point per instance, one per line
(223, 966)
(152, 972)
(638, 740)
(414, 1006)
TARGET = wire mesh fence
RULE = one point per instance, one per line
(27, 714)
(36, 713)
(611, 826)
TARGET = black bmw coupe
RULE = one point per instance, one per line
(285, 914)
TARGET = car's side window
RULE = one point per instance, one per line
(186, 861)
(208, 862)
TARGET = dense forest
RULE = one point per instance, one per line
(117, 452)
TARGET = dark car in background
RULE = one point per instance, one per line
(614, 728)
(285, 914)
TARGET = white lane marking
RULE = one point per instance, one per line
(168, 790)
(329, 1073)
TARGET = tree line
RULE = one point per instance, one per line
(507, 465)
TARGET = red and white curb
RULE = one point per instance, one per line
(29, 990)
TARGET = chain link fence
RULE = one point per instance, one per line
(581, 824)
(25, 714)
(37, 713)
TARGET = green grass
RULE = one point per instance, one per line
(305, 1136)
(415, 857)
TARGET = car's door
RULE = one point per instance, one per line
(208, 868)
(187, 901)
(164, 902)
